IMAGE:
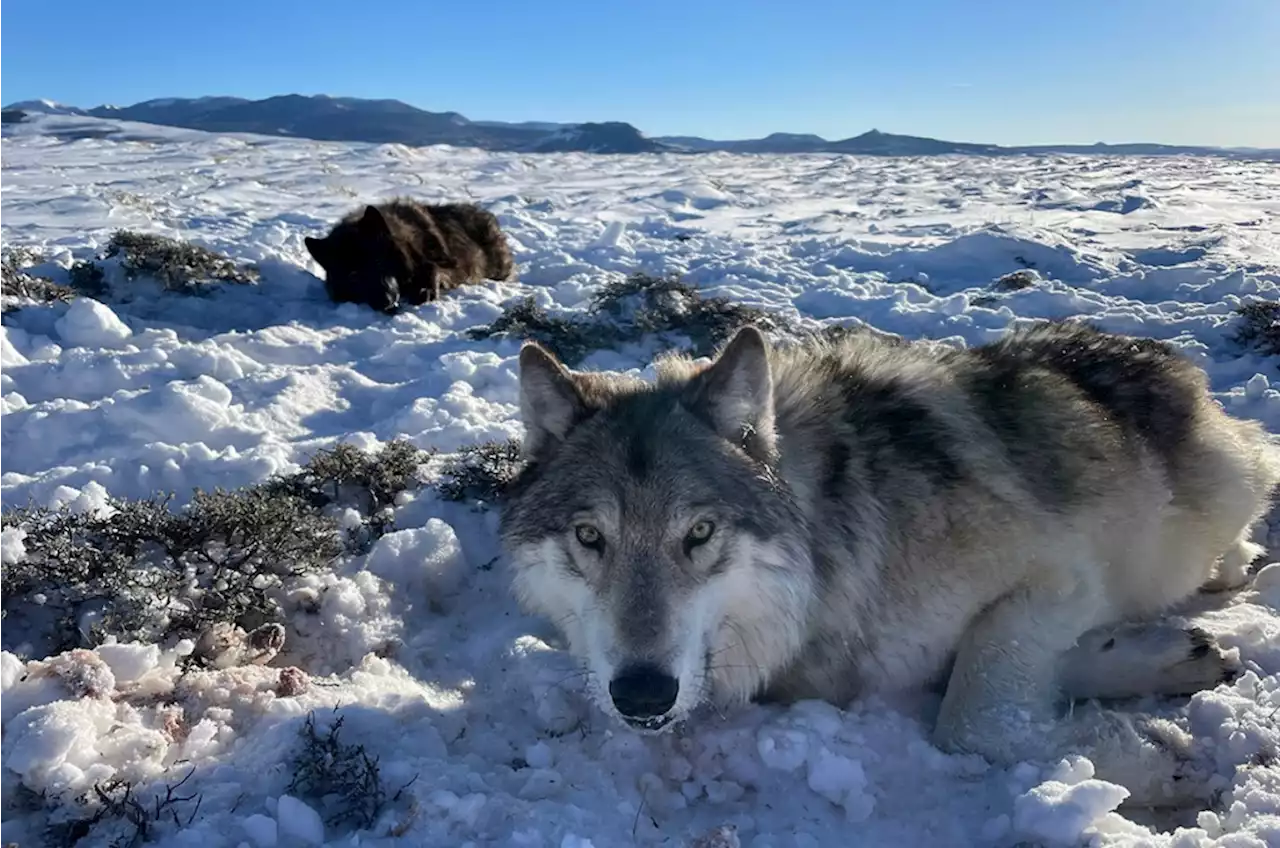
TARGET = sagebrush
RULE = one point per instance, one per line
(480, 472)
(177, 265)
(641, 307)
(141, 571)
(627, 311)
(17, 281)
(117, 811)
(1259, 326)
(341, 775)
(138, 569)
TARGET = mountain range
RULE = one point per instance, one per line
(326, 118)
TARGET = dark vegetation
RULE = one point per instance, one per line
(1259, 326)
(142, 570)
(638, 308)
(178, 266)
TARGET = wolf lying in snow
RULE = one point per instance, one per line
(409, 251)
(835, 519)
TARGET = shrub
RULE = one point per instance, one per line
(138, 570)
(341, 774)
(18, 282)
(480, 472)
(626, 311)
(1259, 326)
(177, 265)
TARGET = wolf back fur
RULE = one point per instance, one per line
(835, 519)
(408, 251)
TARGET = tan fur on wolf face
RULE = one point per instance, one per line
(832, 520)
(413, 252)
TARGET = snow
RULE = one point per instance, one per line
(11, 548)
(1060, 809)
(426, 562)
(261, 830)
(297, 819)
(478, 721)
(89, 324)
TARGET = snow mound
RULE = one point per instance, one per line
(91, 324)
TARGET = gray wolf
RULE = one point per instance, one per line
(407, 251)
(827, 520)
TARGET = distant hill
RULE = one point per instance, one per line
(391, 121)
(608, 137)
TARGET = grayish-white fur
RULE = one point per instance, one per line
(1006, 523)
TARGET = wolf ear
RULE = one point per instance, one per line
(372, 221)
(318, 248)
(550, 403)
(736, 394)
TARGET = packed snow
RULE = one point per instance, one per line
(477, 718)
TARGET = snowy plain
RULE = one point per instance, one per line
(418, 643)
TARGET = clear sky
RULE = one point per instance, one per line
(1001, 71)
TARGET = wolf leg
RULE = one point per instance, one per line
(1233, 567)
(1134, 660)
(424, 287)
(1002, 699)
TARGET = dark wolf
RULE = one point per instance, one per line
(1007, 523)
(405, 251)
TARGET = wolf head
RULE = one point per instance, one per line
(366, 260)
(651, 527)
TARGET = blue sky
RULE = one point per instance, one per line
(1177, 71)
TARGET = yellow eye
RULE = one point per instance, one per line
(588, 536)
(700, 532)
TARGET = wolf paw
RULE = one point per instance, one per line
(1136, 660)
(1234, 568)
(1204, 665)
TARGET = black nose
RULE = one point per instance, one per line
(643, 691)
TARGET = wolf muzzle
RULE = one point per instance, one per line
(389, 291)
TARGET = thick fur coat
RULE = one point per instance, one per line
(410, 252)
(1005, 523)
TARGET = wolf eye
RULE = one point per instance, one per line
(589, 536)
(698, 534)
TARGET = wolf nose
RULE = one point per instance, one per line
(643, 691)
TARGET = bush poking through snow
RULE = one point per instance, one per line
(139, 571)
(646, 304)
(333, 474)
(87, 278)
(567, 338)
(1260, 326)
(17, 282)
(480, 472)
(836, 333)
(628, 310)
(643, 306)
(130, 820)
(343, 775)
(177, 265)
(344, 473)
(1024, 278)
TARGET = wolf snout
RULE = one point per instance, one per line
(643, 691)
(388, 295)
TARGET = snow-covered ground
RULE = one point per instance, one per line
(419, 644)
